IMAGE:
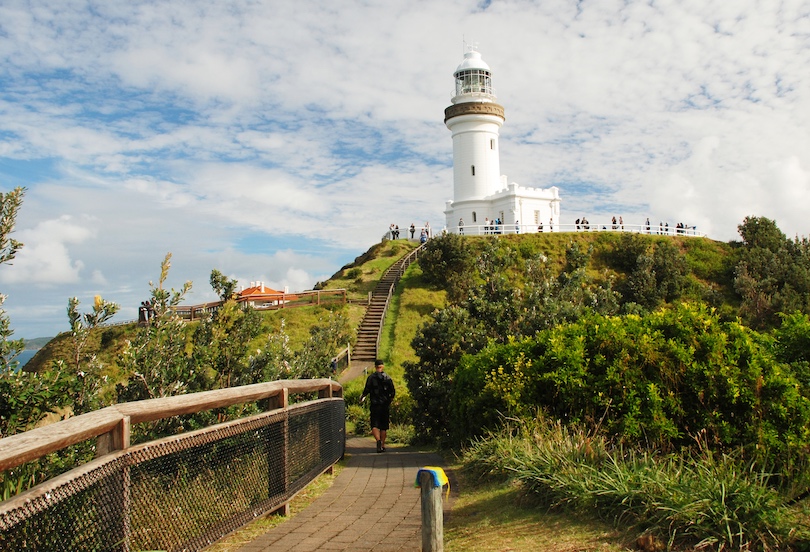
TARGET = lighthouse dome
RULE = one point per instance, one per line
(472, 60)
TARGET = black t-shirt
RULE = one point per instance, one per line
(380, 387)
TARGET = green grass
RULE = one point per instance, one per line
(683, 500)
(496, 517)
(410, 307)
(360, 277)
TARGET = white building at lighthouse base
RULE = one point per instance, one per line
(517, 207)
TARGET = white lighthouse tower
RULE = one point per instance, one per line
(474, 119)
(480, 192)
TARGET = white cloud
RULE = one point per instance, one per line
(46, 259)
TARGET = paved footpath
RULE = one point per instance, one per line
(372, 505)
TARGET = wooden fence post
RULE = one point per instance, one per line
(115, 517)
(432, 520)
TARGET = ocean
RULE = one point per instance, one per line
(26, 355)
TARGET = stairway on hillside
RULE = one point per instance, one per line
(369, 331)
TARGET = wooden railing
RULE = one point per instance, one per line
(269, 302)
(180, 492)
(111, 425)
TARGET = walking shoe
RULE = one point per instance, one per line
(379, 446)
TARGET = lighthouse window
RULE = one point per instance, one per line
(473, 170)
(475, 217)
(492, 144)
(473, 81)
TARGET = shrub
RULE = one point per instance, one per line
(402, 409)
(400, 433)
(660, 378)
(358, 416)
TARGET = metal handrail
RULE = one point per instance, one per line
(652, 229)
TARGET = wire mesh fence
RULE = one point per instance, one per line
(182, 492)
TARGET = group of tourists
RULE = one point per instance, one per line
(663, 227)
(584, 224)
(146, 312)
(393, 232)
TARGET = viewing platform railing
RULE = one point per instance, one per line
(176, 493)
(653, 229)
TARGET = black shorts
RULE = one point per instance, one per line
(380, 416)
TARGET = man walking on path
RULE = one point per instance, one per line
(380, 387)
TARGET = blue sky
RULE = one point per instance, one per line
(276, 141)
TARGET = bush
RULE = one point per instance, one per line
(353, 390)
(359, 417)
(716, 500)
(400, 433)
(402, 409)
(660, 378)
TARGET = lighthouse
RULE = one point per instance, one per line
(475, 119)
(480, 192)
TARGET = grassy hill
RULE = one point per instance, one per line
(708, 262)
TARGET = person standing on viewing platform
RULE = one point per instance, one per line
(380, 387)
(413, 230)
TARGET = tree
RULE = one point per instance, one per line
(10, 204)
(772, 274)
(222, 341)
(87, 369)
(223, 286)
(26, 397)
(447, 262)
(156, 360)
(496, 310)
(656, 270)
(440, 344)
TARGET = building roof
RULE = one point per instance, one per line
(261, 291)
